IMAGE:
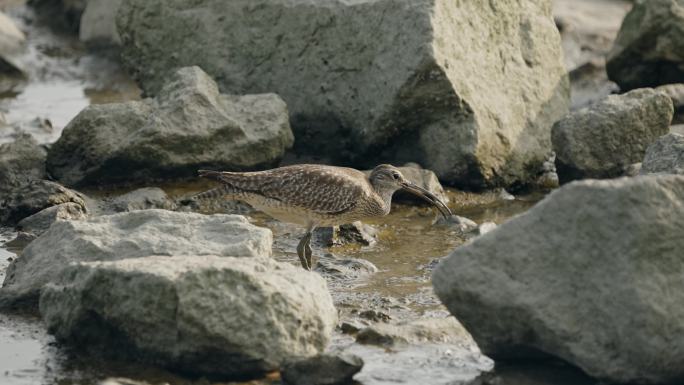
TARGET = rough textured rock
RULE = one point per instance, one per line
(665, 156)
(467, 89)
(207, 315)
(98, 23)
(592, 275)
(20, 162)
(39, 222)
(324, 369)
(129, 235)
(677, 129)
(344, 268)
(676, 93)
(189, 125)
(601, 140)
(649, 49)
(442, 330)
(34, 197)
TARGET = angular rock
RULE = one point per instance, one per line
(580, 276)
(649, 49)
(676, 93)
(324, 369)
(98, 24)
(129, 235)
(34, 197)
(39, 222)
(665, 156)
(189, 125)
(601, 140)
(207, 315)
(395, 81)
(20, 162)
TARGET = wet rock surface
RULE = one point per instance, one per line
(601, 140)
(21, 162)
(205, 315)
(128, 235)
(442, 330)
(188, 126)
(621, 239)
(323, 369)
(35, 196)
(398, 97)
(665, 156)
(649, 49)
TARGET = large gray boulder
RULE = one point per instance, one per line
(189, 125)
(21, 161)
(39, 222)
(649, 49)
(208, 315)
(665, 156)
(601, 140)
(128, 235)
(468, 89)
(592, 275)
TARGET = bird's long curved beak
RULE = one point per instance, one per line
(429, 197)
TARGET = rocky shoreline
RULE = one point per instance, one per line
(578, 271)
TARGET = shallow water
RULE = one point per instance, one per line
(62, 79)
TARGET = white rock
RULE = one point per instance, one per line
(207, 315)
(129, 235)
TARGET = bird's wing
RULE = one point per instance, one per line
(317, 188)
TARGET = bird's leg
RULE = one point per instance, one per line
(304, 249)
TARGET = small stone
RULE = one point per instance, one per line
(344, 268)
(324, 369)
(462, 224)
(486, 227)
(375, 316)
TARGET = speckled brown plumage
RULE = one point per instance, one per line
(316, 195)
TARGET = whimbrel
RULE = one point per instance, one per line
(314, 195)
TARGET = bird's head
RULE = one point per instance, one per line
(387, 179)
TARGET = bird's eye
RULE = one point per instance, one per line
(395, 175)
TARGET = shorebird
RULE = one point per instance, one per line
(314, 195)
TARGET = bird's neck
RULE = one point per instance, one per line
(385, 197)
